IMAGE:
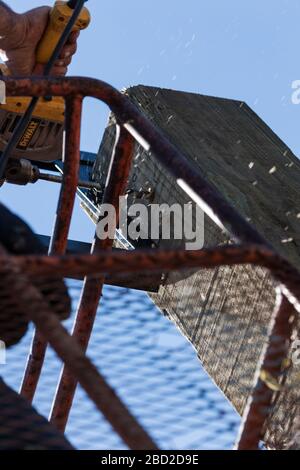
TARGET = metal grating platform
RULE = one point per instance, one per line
(154, 370)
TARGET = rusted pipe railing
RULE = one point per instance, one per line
(60, 232)
(92, 288)
(150, 138)
(268, 376)
(70, 352)
(206, 196)
(166, 260)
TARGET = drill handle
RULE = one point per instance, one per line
(59, 17)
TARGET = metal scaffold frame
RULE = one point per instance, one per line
(250, 248)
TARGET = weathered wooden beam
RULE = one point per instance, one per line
(224, 312)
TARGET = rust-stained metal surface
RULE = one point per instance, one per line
(70, 352)
(60, 232)
(271, 375)
(92, 289)
(17, 271)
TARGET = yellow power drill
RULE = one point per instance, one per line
(42, 138)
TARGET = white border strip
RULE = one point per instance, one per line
(2, 92)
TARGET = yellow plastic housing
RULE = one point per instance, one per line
(59, 17)
(53, 110)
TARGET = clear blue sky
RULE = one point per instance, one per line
(235, 49)
(241, 49)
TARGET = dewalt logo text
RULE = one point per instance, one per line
(28, 134)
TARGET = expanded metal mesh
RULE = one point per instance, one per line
(154, 370)
(241, 311)
(226, 314)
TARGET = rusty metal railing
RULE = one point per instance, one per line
(253, 249)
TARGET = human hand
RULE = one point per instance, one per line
(20, 46)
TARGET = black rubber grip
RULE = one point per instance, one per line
(72, 3)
